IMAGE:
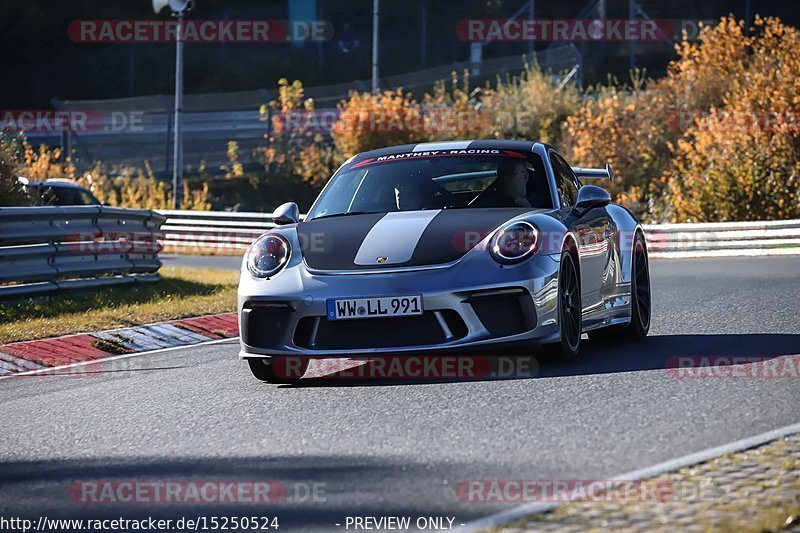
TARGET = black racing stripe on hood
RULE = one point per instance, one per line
(332, 243)
(454, 232)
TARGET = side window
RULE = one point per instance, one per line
(565, 180)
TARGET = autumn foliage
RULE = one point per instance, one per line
(741, 160)
(529, 106)
(715, 140)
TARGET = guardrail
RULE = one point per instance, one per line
(212, 231)
(223, 232)
(779, 237)
(46, 249)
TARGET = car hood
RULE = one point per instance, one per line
(398, 239)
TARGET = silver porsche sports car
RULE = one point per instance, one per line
(463, 246)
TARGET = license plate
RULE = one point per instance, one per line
(382, 307)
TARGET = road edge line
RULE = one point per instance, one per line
(521, 511)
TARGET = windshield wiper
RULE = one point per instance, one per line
(347, 213)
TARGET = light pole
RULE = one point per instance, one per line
(531, 15)
(633, 10)
(376, 10)
(179, 8)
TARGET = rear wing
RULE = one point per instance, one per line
(605, 173)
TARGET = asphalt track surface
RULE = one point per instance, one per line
(391, 447)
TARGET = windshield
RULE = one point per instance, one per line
(436, 180)
(56, 195)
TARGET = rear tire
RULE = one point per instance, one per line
(640, 291)
(570, 309)
(278, 370)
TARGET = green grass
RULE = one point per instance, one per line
(183, 292)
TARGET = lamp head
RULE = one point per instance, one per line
(176, 6)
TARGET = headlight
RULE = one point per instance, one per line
(268, 255)
(514, 243)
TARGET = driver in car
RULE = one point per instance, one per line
(510, 189)
(414, 194)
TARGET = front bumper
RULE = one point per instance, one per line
(472, 304)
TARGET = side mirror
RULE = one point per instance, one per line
(287, 213)
(591, 196)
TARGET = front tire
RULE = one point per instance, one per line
(570, 310)
(278, 370)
